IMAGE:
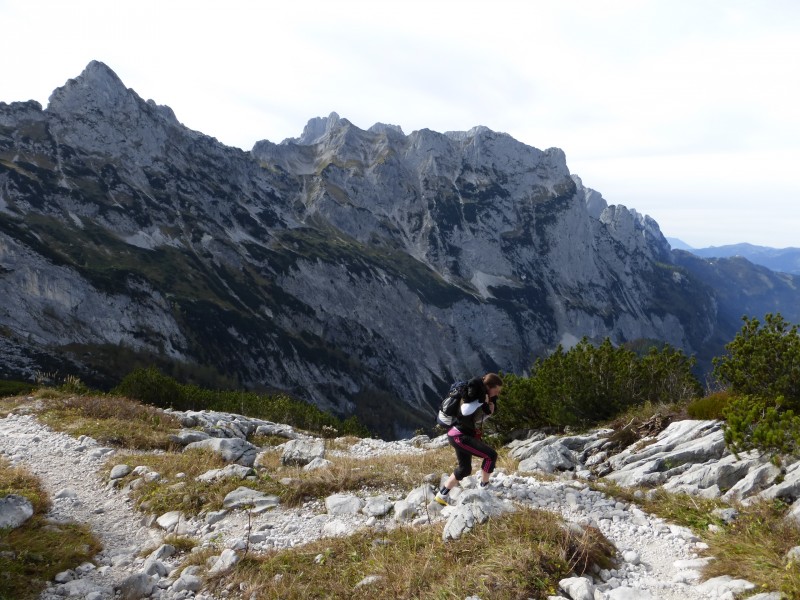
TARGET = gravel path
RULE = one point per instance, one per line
(660, 560)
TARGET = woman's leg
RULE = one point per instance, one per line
(464, 458)
(475, 447)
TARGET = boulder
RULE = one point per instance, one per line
(404, 511)
(188, 436)
(232, 450)
(577, 588)
(343, 504)
(377, 506)
(793, 515)
(724, 474)
(318, 463)
(136, 587)
(756, 480)
(244, 497)
(224, 562)
(14, 511)
(119, 471)
(531, 446)
(550, 458)
(155, 567)
(168, 521)
(233, 471)
(301, 452)
(788, 489)
(276, 429)
(188, 582)
(421, 495)
(679, 433)
(717, 586)
(674, 452)
(474, 507)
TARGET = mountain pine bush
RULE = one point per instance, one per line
(761, 367)
(152, 387)
(588, 384)
(763, 360)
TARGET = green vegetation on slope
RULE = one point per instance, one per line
(152, 387)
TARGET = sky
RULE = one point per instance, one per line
(685, 110)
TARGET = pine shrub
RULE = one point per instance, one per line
(761, 366)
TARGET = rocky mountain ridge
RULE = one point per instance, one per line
(360, 269)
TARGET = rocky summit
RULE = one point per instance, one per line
(362, 270)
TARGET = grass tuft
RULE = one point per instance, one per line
(31, 555)
(755, 545)
(110, 420)
(519, 555)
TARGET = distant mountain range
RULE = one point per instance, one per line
(782, 260)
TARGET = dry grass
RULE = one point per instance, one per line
(14, 404)
(520, 555)
(754, 547)
(31, 555)
(170, 493)
(110, 420)
(393, 474)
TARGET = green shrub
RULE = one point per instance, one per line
(755, 423)
(762, 368)
(589, 384)
(709, 407)
(152, 387)
(763, 360)
(15, 388)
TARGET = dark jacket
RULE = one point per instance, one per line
(476, 392)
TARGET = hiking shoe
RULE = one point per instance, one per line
(442, 499)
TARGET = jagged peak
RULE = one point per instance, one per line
(316, 129)
(387, 129)
(96, 85)
(98, 88)
(462, 136)
(595, 203)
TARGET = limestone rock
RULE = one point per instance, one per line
(233, 471)
(302, 452)
(233, 450)
(136, 587)
(14, 511)
(577, 588)
(224, 562)
(343, 504)
(248, 498)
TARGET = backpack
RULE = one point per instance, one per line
(448, 411)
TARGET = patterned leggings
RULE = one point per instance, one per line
(466, 447)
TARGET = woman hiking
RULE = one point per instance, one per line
(477, 405)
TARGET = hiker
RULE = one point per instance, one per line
(477, 404)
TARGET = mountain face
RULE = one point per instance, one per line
(782, 260)
(360, 269)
